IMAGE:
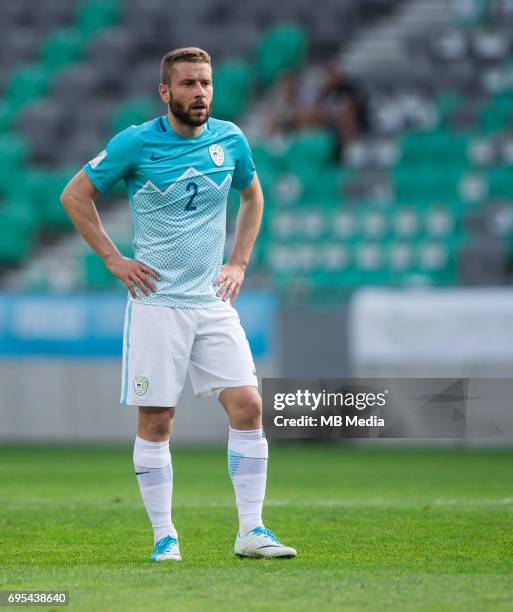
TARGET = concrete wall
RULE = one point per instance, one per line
(313, 343)
(380, 334)
(65, 400)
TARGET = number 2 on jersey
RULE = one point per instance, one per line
(194, 188)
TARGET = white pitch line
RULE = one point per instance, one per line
(461, 503)
(361, 503)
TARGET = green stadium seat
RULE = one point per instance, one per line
(283, 225)
(7, 114)
(292, 259)
(368, 256)
(436, 261)
(96, 15)
(345, 225)
(312, 224)
(473, 189)
(54, 214)
(369, 259)
(406, 223)
(305, 257)
(269, 165)
(374, 224)
(266, 159)
(232, 82)
(29, 184)
(61, 48)
(310, 148)
(320, 187)
(500, 182)
(400, 258)
(427, 183)
(439, 221)
(474, 14)
(424, 148)
(267, 178)
(432, 256)
(27, 84)
(278, 257)
(448, 102)
(133, 112)
(334, 257)
(95, 273)
(13, 154)
(22, 207)
(13, 151)
(281, 48)
(498, 114)
(481, 151)
(49, 185)
(16, 233)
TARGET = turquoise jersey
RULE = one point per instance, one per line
(177, 189)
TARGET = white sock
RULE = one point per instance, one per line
(247, 466)
(152, 463)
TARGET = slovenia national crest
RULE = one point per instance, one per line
(217, 154)
(141, 385)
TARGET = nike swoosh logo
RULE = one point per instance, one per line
(154, 157)
(138, 473)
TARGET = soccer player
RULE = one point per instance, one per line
(179, 317)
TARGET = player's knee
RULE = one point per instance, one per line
(159, 428)
(156, 426)
(249, 409)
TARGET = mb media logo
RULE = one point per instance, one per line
(141, 385)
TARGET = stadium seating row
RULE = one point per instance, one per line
(434, 174)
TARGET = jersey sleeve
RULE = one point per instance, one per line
(116, 161)
(244, 165)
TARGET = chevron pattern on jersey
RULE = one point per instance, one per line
(181, 234)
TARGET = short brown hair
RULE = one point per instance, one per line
(185, 54)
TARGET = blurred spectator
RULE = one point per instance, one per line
(290, 104)
(323, 98)
(342, 104)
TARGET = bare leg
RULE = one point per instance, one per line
(243, 406)
(155, 424)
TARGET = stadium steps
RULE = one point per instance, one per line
(383, 42)
(60, 266)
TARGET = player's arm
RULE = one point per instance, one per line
(247, 227)
(78, 201)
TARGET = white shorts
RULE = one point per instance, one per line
(160, 344)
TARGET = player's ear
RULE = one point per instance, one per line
(164, 92)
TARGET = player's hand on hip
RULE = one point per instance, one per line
(231, 278)
(133, 273)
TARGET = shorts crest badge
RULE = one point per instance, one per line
(141, 385)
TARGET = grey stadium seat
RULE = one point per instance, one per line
(75, 84)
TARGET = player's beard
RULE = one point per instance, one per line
(184, 115)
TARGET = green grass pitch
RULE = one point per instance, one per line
(376, 529)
